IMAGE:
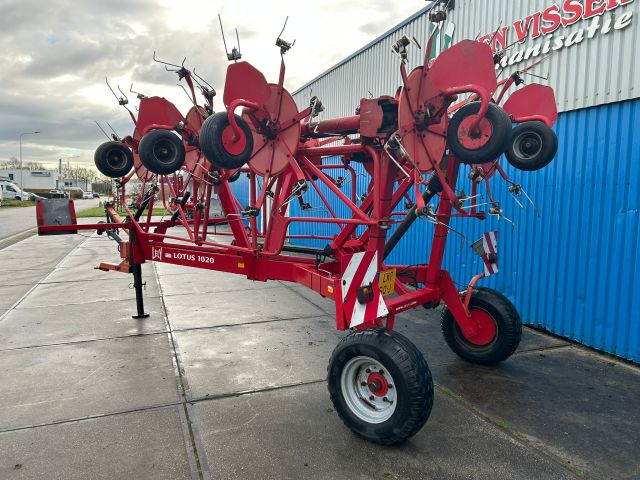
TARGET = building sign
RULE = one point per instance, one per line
(547, 27)
(40, 173)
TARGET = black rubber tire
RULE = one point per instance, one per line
(113, 159)
(497, 143)
(162, 152)
(533, 146)
(213, 148)
(410, 372)
(508, 329)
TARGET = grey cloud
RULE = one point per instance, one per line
(52, 50)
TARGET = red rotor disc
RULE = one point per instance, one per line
(141, 171)
(194, 158)
(424, 143)
(271, 152)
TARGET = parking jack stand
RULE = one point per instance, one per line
(136, 269)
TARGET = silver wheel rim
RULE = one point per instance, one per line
(527, 151)
(369, 404)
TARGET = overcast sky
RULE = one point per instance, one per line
(55, 54)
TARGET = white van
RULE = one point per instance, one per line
(10, 191)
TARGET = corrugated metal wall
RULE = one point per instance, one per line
(599, 70)
(594, 72)
(573, 269)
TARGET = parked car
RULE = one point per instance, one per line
(33, 197)
(57, 194)
(87, 196)
(96, 195)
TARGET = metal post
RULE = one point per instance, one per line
(21, 135)
(136, 269)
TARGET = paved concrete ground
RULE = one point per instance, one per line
(16, 220)
(225, 379)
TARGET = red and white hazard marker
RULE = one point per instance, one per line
(490, 255)
(362, 271)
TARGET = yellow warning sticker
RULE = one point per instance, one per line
(387, 282)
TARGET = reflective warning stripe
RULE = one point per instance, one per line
(490, 246)
(362, 270)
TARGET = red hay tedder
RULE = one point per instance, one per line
(413, 146)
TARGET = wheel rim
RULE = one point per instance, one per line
(474, 140)
(527, 145)
(234, 146)
(368, 389)
(486, 334)
(164, 151)
(116, 159)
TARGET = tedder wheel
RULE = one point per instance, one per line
(380, 385)
(500, 329)
(484, 145)
(113, 159)
(532, 147)
(216, 141)
(162, 152)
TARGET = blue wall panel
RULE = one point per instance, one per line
(240, 189)
(573, 269)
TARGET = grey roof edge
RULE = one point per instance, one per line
(367, 46)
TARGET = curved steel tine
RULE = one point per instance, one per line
(197, 77)
(123, 94)
(284, 26)
(495, 34)
(226, 51)
(201, 79)
(187, 94)
(102, 129)
(139, 95)
(166, 63)
(121, 100)
(106, 79)
(112, 129)
(531, 201)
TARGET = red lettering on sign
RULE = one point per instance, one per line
(500, 39)
(552, 17)
(522, 28)
(558, 14)
(484, 38)
(575, 11)
(590, 10)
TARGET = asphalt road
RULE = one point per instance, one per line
(16, 220)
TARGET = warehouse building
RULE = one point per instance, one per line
(571, 269)
(34, 181)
